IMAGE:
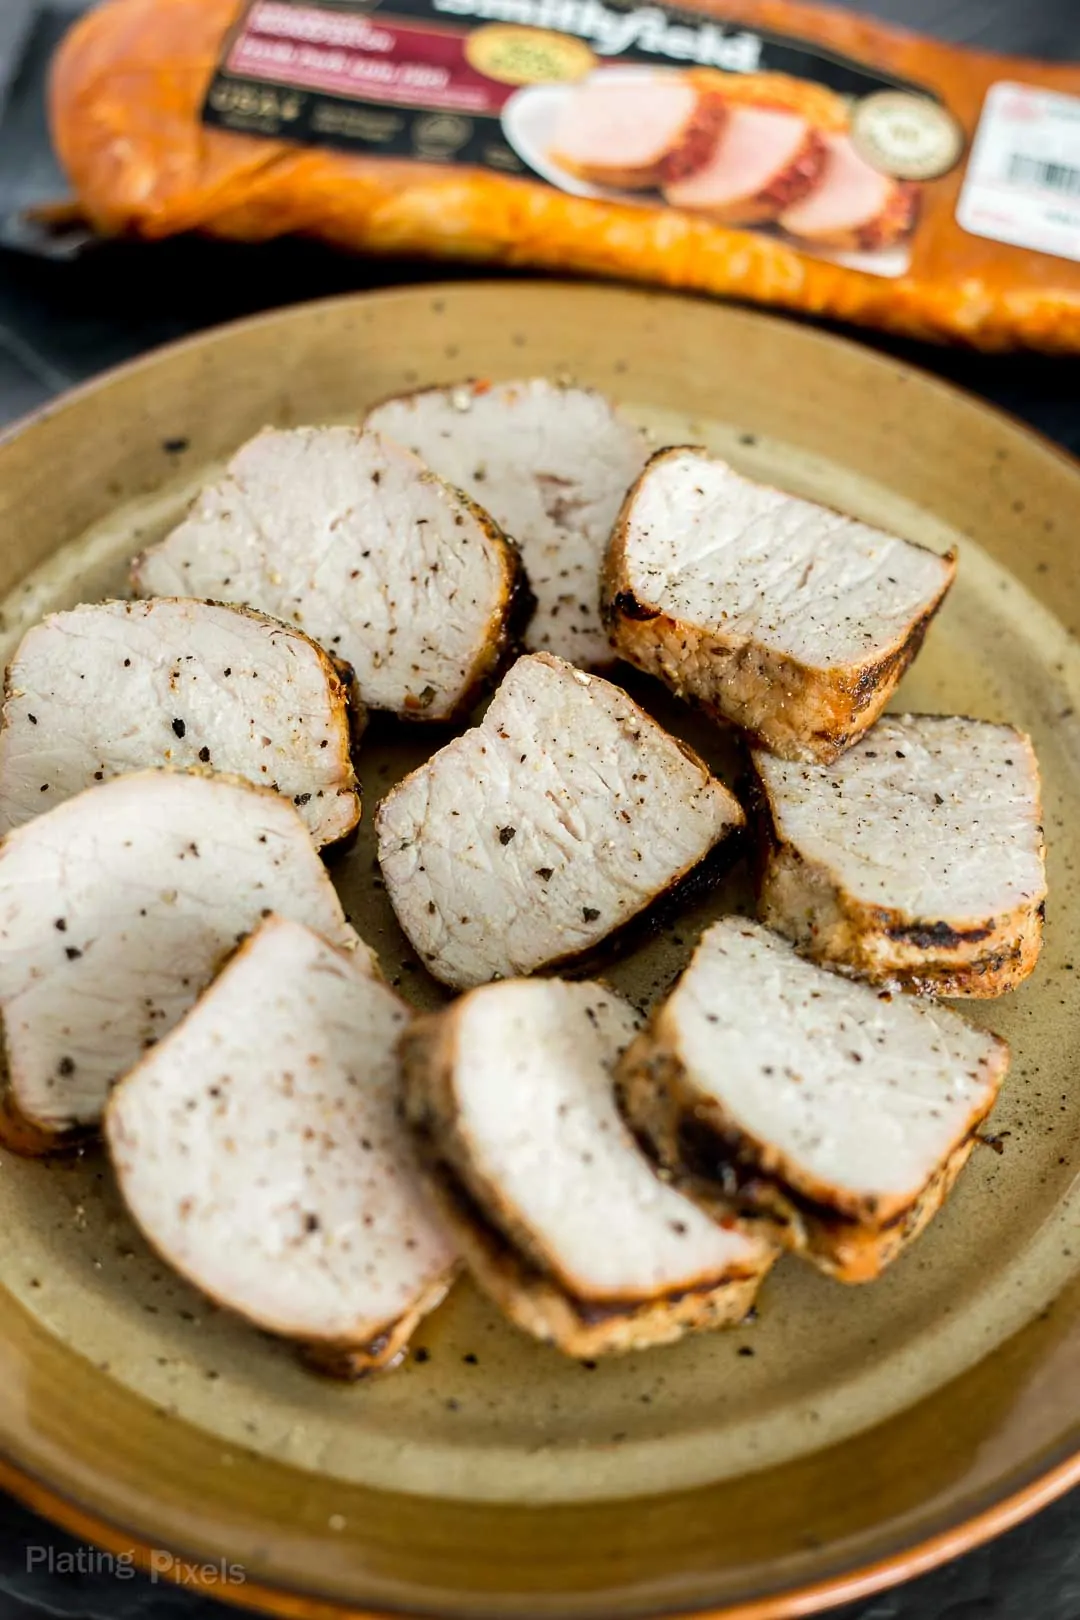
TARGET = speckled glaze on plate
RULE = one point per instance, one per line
(845, 1438)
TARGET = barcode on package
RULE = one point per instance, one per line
(1023, 180)
(1034, 171)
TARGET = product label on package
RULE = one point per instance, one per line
(643, 105)
(1023, 182)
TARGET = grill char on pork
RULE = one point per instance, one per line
(802, 1097)
(558, 1215)
(786, 618)
(914, 861)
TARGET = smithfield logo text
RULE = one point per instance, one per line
(613, 33)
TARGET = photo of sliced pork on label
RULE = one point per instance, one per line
(851, 206)
(116, 909)
(916, 860)
(533, 837)
(123, 686)
(559, 1216)
(259, 1149)
(636, 131)
(552, 464)
(784, 617)
(765, 160)
(353, 539)
(840, 1113)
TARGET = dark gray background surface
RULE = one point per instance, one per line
(63, 321)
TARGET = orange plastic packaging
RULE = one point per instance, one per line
(461, 129)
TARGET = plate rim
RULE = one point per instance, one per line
(529, 285)
(863, 1581)
(967, 1530)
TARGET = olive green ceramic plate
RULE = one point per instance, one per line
(846, 1437)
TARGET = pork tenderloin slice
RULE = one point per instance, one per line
(527, 841)
(916, 860)
(352, 537)
(551, 463)
(635, 134)
(764, 161)
(852, 205)
(560, 1217)
(777, 614)
(259, 1150)
(116, 908)
(841, 1113)
(121, 686)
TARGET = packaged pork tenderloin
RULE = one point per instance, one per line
(761, 149)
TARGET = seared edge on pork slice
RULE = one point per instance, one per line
(352, 537)
(116, 909)
(839, 1114)
(259, 1149)
(784, 617)
(558, 1214)
(765, 160)
(122, 686)
(852, 206)
(916, 861)
(552, 464)
(533, 837)
(636, 134)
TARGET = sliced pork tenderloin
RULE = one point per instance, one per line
(916, 860)
(558, 1215)
(259, 1149)
(766, 160)
(784, 617)
(116, 908)
(529, 840)
(839, 1114)
(121, 686)
(851, 206)
(636, 133)
(351, 537)
(551, 463)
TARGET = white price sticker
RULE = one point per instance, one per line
(1023, 179)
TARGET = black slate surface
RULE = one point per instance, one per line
(61, 322)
